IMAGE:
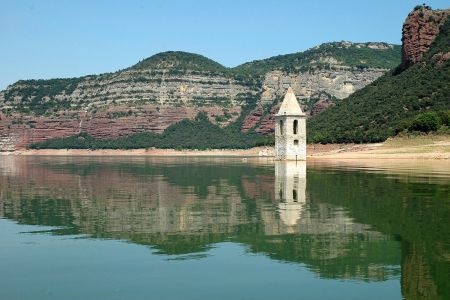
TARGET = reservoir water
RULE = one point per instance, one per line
(223, 228)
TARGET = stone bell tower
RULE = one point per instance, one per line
(290, 130)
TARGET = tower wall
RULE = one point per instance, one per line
(290, 142)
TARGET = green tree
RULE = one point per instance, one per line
(426, 122)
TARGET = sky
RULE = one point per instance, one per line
(43, 39)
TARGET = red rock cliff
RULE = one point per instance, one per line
(419, 30)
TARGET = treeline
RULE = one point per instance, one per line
(353, 55)
(415, 99)
(181, 61)
(187, 134)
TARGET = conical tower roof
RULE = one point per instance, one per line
(290, 105)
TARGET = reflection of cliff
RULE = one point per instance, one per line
(110, 203)
(184, 207)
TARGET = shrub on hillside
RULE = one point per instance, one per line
(426, 122)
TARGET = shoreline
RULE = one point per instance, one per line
(252, 152)
(427, 147)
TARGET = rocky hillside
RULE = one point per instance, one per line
(171, 86)
(318, 76)
(413, 97)
(149, 96)
(419, 30)
(316, 89)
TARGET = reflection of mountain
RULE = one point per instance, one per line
(180, 206)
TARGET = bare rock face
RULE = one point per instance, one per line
(267, 125)
(322, 104)
(339, 82)
(252, 119)
(419, 30)
(261, 120)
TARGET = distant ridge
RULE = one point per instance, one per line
(358, 55)
(363, 55)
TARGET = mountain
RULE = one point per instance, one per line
(147, 97)
(166, 88)
(414, 96)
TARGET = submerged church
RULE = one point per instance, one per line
(290, 130)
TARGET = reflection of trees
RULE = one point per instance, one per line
(184, 208)
(416, 212)
(417, 282)
(344, 256)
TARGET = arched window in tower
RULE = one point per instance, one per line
(295, 126)
(294, 195)
(296, 142)
(281, 127)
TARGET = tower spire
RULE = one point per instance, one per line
(290, 129)
(290, 105)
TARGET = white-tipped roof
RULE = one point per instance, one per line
(290, 105)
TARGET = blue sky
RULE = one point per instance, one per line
(66, 38)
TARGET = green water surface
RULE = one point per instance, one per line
(220, 228)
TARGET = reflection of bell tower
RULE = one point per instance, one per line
(290, 189)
